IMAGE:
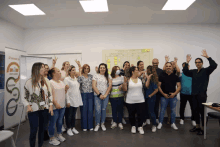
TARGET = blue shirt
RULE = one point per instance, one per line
(186, 84)
(151, 88)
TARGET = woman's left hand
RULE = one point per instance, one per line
(51, 110)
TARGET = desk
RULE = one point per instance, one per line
(205, 114)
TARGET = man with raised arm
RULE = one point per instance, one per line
(200, 80)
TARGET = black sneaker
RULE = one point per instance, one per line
(46, 136)
(200, 132)
(194, 129)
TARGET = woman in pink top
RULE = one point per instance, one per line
(58, 92)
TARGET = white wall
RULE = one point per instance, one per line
(172, 40)
(13, 37)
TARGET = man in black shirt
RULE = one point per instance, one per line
(155, 63)
(200, 80)
(167, 87)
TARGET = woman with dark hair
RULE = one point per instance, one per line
(87, 95)
(135, 99)
(151, 89)
(58, 92)
(101, 85)
(117, 97)
(37, 98)
(74, 100)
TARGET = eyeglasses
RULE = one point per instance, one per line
(198, 62)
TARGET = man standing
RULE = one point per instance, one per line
(200, 80)
(155, 63)
(186, 95)
(167, 87)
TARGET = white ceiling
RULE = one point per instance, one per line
(60, 13)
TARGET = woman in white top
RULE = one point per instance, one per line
(101, 85)
(74, 100)
(135, 99)
(64, 70)
(37, 98)
(58, 92)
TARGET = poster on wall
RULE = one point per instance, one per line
(118, 57)
(12, 108)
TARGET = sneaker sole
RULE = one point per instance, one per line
(54, 144)
(60, 140)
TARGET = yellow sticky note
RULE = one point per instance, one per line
(119, 60)
(108, 61)
(115, 58)
(139, 58)
(109, 72)
(116, 63)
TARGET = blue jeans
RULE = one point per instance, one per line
(117, 108)
(100, 109)
(56, 119)
(147, 113)
(87, 110)
(164, 103)
(151, 105)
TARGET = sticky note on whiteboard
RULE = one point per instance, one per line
(145, 50)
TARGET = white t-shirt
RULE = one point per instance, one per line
(135, 94)
(59, 92)
(102, 84)
(73, 95)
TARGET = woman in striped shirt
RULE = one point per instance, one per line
(116, 97)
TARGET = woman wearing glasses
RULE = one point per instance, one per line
(37, 98)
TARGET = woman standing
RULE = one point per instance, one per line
(87, 97)
(150, 94)
(117, 97)
(58, 92)
(37, 98)
(135, 99)
(101, 85)
(74, 100)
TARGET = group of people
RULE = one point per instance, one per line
(52, 95)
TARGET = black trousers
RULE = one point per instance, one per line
(37, 124)
(183, 101)
(198, 108)
(157, 105)
(139, 109)
(70, 116)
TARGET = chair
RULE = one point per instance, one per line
(4, 134)
(213, 115)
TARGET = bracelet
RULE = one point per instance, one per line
(99, 95)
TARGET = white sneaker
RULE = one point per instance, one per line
(75, 131)
(154, 128)
(123, 121)
(157, 121)
(133, 130)
(145, 123)
(84, 130)
(114, 125)
(60, 138)
(181, 121)
(194, 123)
(148, 121)
(97, 127)
(91, 129)
(103, 127)
(69, 132)
(141, 131)
(120, 126)
(54, 141)
(159, 126)
(63, 129)
(174, 126)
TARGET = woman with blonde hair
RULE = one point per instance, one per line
(37, 98)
